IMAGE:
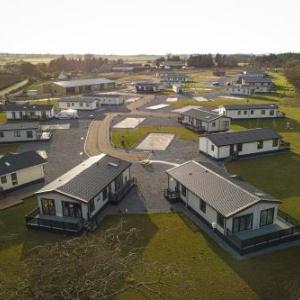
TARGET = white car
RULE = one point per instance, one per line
(67, 114)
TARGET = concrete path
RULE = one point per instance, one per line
(13, 87)
(98, 138)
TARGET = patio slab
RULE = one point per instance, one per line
(158, 106)
(129, 123)
(156, 141)
(201, 99)
(185, 108)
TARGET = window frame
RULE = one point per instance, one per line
(267, 216)
(242, 221)
(202, 206)
(219, 218)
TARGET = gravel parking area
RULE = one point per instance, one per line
(64, 150)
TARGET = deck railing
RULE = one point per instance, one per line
(35, 220)
(172, 196)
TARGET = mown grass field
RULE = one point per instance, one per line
(133, 136)
(168, 239)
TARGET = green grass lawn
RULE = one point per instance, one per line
(134, 136)
(16, 240)
(6, 148)
(173, 239)
(51, 101)
(168, 239)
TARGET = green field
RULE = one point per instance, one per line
(133, 136)
(167, 239)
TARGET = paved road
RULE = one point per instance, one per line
(98, 137)
(13, 87)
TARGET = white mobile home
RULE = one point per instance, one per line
(204, 120)
(250, 111)
(109, 98)
(147, 87)
(239, 89)
(260, 84)
(241, 143)
(20, 169)
(78, 103)
(225, 203)
(71, 202)
(29, 112)
(21, 132)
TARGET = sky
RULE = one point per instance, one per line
(149, 26)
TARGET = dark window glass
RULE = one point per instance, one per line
(91, 206)
(220, 220)
(104, 193)
(202, 205)
(275, 142)
(71, 209)
(48, 206)
(14, 178)
(260, 144)
(239, 147)
(242, 223)
(183, 190)
(3, 179)
(29, 134)
(266, 217)
(1, 134)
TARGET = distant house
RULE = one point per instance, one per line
(72, 202)
(173, 78)
(78, 103)
(22, 132)
(170, 64)
(251, 111)
(81, 86)
(147, 87)
(28, 111)
(241, 143)
(239, 89)
(260, 84)
(204, 120)
(246, 217)
(109, 98)
(17, 170)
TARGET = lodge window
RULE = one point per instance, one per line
(245, 112)
(275, 142)
(272, 112)
(48, 207)
(3, 179)
(202, 206)
(71, 209)
(266, 217)
(220, 220)
(252, 112)
(80, 104)
(104, 194)
(87, 104)
(239, 112)
(68, 104)
(1, 134)
(263, 112)
(239, 147)
(17, 133)
(14, 178)
(212, 147)
(29, 134)
(242, 223)
(183, 190)
(260, 144)
(91, 206)
(72, 104)
(213, 124)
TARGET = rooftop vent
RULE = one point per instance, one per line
(259, 194)
(7, 163)
(113, 164)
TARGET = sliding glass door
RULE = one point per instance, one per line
(266, 217)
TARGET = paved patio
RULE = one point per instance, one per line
(156, 141)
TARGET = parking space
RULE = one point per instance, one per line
(156, 141)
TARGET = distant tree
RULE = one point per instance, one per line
(201, 61)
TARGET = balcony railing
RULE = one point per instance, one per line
(245, 246)
(172, 196)
(35, 220)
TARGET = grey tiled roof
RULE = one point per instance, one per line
(19, 126)
(250, 106)
(202, 115)
(82, 82)
(27, 107)
(247, 136)
(226, 195)
(10, 163)
(89, 178)
(254, 79)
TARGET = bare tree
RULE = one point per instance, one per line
(98, 266)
